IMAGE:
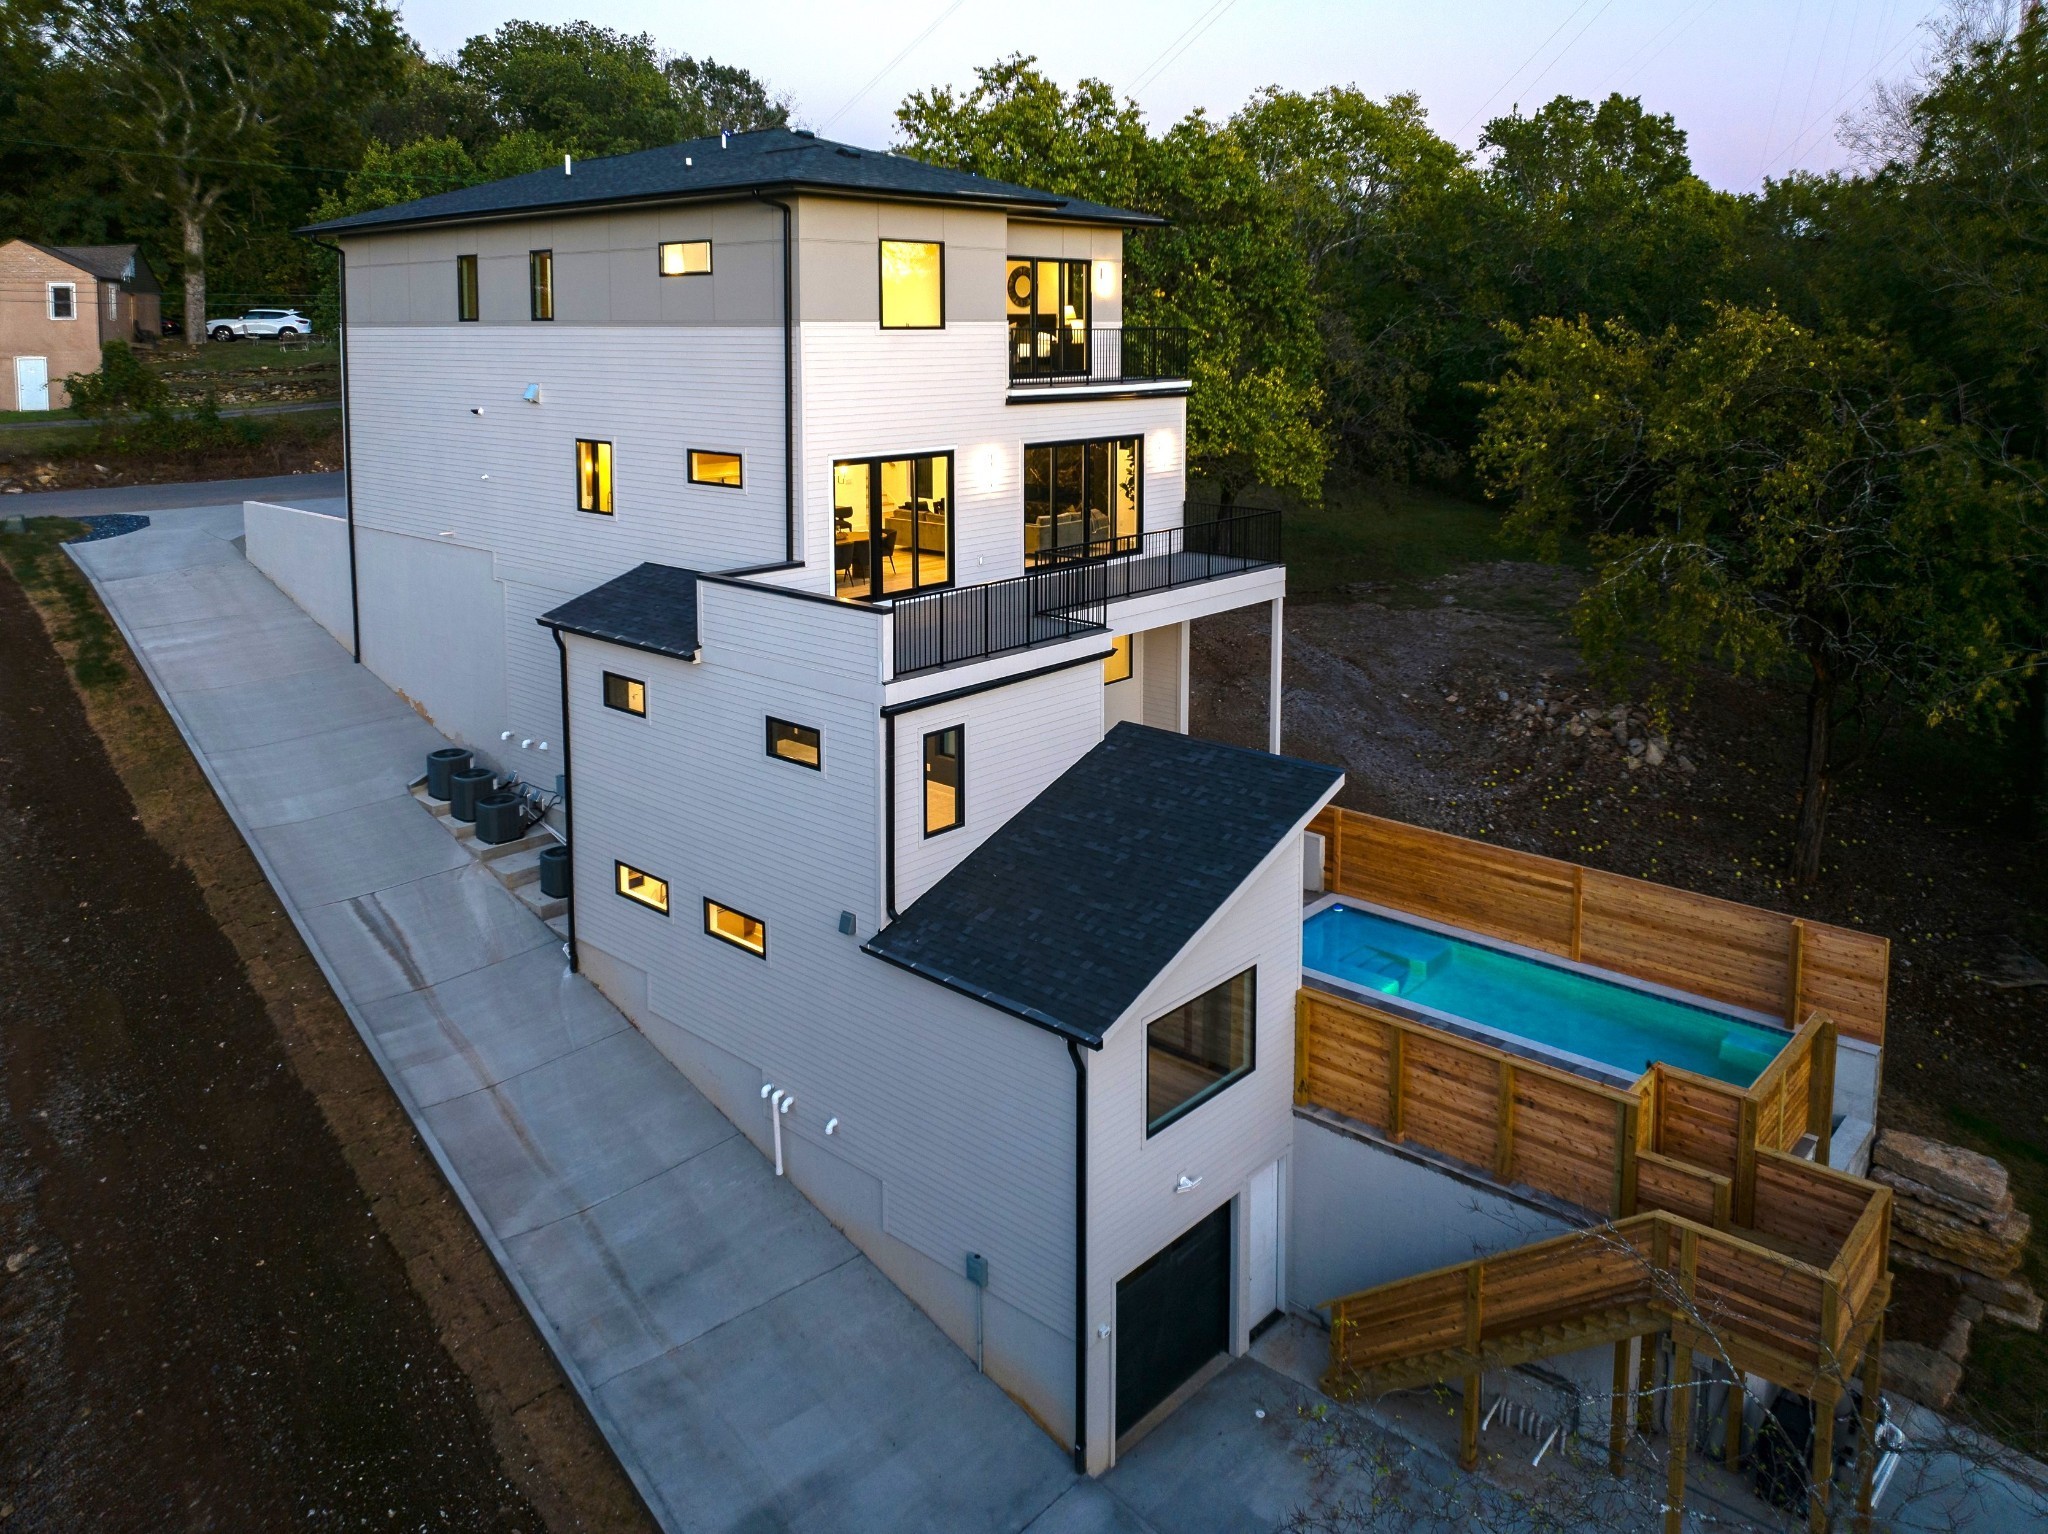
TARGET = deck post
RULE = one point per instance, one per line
(1301, 1047)
(1617, 1426)
(1866, 1424)
(1397, 1082)
(1820, 1079)
(1823, 1467)
(1468, 1426)
(1273, 682)
(1795, 971)
(1578, 908)
(1680, 1437)
(1646, 1388)
(1504, 1123)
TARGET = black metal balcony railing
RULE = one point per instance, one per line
(1060, 600)
(1133, 354)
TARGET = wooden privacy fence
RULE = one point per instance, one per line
(1764, 961)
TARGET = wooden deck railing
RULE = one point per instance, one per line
(1762, 960)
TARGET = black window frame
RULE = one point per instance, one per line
(760, 953)
(620, 868)
(959, 780)
(1030, 321)
(535, 261)
(817, 743)
(1222, 1084)
(631, 681)
(1130, 658)
(690, 467)
(1117, 543)
(468, 290)
(873, 465)
(662, 245)
(611, 476)
(882, 286)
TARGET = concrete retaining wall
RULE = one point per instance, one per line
(305, 554)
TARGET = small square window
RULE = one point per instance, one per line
(736, 928)
(643, 887)
(63, 300)
(797, 743)
(944, 805)
(714, 468)
(625, 694)
(685, 258)
(465, 288)
(913, 285)
(1198, 1049)
(1117, 668)
(593, 476)
(540, 282)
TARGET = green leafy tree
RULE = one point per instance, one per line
(1771, 496)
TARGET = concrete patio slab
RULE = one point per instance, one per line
(460, 1034)
(172, 548)
(448, 922)
(617, 1295)
(200, 593)
(836, 1406)
(276, 784)
(273, 649)
(358, 852)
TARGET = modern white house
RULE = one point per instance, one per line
(807, 518)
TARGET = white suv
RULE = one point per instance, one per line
(261, 322)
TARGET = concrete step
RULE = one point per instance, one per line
(533, 841)
(541, 905)
(517, 868)
(559, 925)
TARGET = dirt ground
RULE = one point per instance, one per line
(308, 443)
(236, 1292)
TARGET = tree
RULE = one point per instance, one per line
(201, 98)
(1766, 494)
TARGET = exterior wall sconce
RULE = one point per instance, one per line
(1105, 279)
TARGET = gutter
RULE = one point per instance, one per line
(788, 382)
(568, 799)
(1080, 1257)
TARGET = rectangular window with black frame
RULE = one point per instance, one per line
(1083, 500)
(797, 743)
(1198, 1049)
(625, 694)
(465, 288)
(945, 803)
(540, 283)
(1047, 305)
(593, 476)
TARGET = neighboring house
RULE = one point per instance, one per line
(58, 304)
(810, 518)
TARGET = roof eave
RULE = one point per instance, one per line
(988, 998)
(582, 631)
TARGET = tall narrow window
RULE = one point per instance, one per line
(685, 258)
(1118, 667)
(540, 282)
(737, 928)
(1198, 1049)
(714, 468)
(1047, 304)
(797, 743)
(465, 287)
(643, 887)
(1081, 499)
(593, 476)
(913, 285)
(625, 694)
(945, 806)
(63, 300)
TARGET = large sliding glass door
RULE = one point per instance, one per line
(1048, 311)
(1081, 499)
(892, 525)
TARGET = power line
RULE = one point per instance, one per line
(1800, 144)
(883, 72)
(1180, 45)
(1763, 157)
(1660, 41)
(1567, 48)
(1510, 80)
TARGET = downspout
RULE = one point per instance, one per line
(348, 468)
(1080, 1256)
(889, 814)
(568, 800)
(788, 384)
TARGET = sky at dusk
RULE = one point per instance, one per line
(1759, 85)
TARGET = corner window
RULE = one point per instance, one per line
(797, 743)
(1118, 667)
(714, 468)
(465, 287)
(1198, 1049)
(944, 805)
(685, 258)
(736, 928)
(913, 285)
(63, 300)
(643, 887)
(540, 283)
(625, 694)
(593, 476)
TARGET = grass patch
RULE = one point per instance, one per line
(84, 635)
(2005, 1385)
(1392, 540)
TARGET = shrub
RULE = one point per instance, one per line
(123, 385)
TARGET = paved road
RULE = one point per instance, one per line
(153, 498)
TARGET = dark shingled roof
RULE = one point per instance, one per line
(650, 607)
(773, 159)
(109, 263)
(1069, 911)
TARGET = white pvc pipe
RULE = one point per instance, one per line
(778, 1105)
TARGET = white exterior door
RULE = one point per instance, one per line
(31, 383)
(1262, 1266)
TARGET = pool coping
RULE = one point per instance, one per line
(1516, 1044)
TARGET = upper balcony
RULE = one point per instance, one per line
(1079, 356)
(957, 625)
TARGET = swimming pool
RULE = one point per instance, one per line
(1615, 1028)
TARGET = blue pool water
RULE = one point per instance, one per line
(1551, 1007)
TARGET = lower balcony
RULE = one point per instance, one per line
(1063, 599)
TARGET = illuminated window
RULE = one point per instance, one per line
(913, 285)
(465, 287)
(540, 282)
(1198, 1049)
(736, 928)
(625, 694)
(1081, 499)
(1047, 306)
(944, 805)
(714, 468)
(685, 258)
(645, 888)
(797, 743)
(63, 300)
(1118, 667)
(593, 476)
